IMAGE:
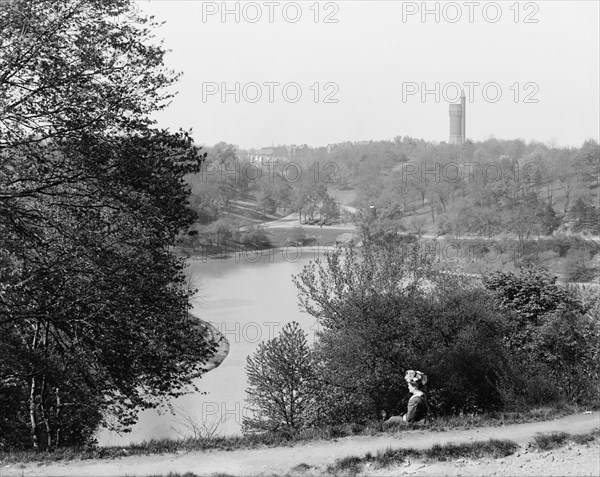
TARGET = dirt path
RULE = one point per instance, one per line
(280, 460)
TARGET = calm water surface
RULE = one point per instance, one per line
(249, 301)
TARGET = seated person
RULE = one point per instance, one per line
(417, 404)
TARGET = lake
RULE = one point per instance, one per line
(249, 299)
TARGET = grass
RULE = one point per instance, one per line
(554, 440)
(303, 467)
(162, 446)
(493, 448)
(497, 418)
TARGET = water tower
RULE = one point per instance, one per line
(458, 121)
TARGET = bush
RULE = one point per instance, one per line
(457, 337)
(578, 267)
(298, 238)
(560, 244)
(563, 343)
(385, 311)
(553, 333)
(255, 238)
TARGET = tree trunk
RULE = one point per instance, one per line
(58, 404)
(32, 421)
(442, 202)
(44, 417)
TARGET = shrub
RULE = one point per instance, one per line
(255, 238)
(553, 333)
(527, 296)
(457, 337)
(578, 267)
(385, 311)
(560, 244)
(298, 238)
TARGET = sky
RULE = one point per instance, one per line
(264, 73)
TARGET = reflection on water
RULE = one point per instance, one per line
(249, 301)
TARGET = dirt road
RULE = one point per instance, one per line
(280, 460)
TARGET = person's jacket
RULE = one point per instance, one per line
(417, 408)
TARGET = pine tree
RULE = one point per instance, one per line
(550, 221)
(280, 374)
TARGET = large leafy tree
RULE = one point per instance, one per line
(94, 319)
(76, 65)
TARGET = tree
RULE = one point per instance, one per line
(588, 162)
(530, 294)
(279, 378)
(565, 172)
(267, 201)
(97, 301)
(586, 217)
(416, 225)
(226, 173)
(53, 86)
(549, 219)
(94, 307)
(567, 342)
(550, 329)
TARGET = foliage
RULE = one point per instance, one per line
(384, 311)
(585, 216)
(579, 266)
(255, 238)
(298, 237)
(279, 376)
(94, 317)
(553, 330)
(494, 448)
(550, 221)
(529, 295)
(267, 201)
(485, 187)
(568, 343)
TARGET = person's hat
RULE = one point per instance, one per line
(415, 376)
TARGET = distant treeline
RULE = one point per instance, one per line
(484, 188)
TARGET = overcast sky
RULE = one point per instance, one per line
(361, 68)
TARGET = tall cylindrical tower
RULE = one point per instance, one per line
(456, 123)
